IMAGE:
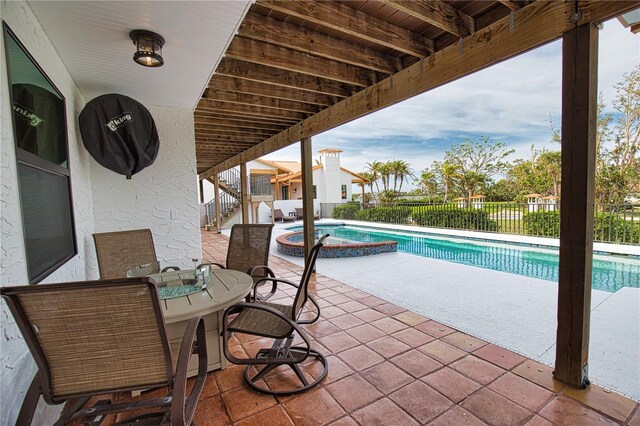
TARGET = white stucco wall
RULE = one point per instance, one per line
(17, 366)
(163, 197)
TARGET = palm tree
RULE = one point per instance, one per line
(403, 171)
(369, 176)
(449, 174)
(385, 174)
(375, 169)
(428, 182)
(470, 181)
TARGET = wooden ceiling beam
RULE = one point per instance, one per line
(224, 115)
(210, 137)
(537, 24)
(437, 13)
(265, 134)
(355, 23)
(511, 4)
(205, 104)
(270, 30)
(247, 99)
(237, 124)
(268, 54)
(230, 84)
(265, 74)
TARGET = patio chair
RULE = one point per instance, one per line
(278, 215)
(99, 337)
(299, 214)
(278, 322)
(122, 250)
(248, 252)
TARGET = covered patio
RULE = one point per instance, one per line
(245, 79)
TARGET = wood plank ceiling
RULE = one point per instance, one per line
(292, 59)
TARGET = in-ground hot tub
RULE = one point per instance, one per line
(292, 244)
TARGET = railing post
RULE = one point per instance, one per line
(244, 193)
(216, 197)
(307, 196)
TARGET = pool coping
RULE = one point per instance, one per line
(293, 248)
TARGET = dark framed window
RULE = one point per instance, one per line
(344, 192)
(315, 192)
(42, 153)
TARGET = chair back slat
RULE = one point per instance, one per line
(303, 289)
(123, 250)
(94, 337)
(249, 246)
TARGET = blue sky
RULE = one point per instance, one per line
(511, 102)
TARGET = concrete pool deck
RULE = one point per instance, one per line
(512, 311)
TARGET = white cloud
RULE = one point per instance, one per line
(511, 102)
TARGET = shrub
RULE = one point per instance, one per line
(392, 214)
(346, 211)
(610, 227)
(542, 224)
(454, 217)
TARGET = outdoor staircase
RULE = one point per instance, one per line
(230, 198)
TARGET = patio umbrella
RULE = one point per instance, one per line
(119, 133)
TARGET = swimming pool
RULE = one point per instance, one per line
(610, 273)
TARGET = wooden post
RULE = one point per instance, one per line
(244, 193)
(201, 184)
(579, 118)
(216, 197)
(307, 195)
(363, 200)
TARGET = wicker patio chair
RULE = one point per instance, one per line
(278, 215)
(248, 252)
(300, 214)
(100, 337)
(122, 250)
(279, 322)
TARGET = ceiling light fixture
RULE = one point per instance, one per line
(148, 48)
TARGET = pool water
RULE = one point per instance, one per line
(610, 273)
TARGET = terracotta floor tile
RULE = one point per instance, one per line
(635, 419)
(357, 294)
(477, 369)
(275, 416)
(464, 341)
(369, 315)
(386, 377)
(331, 312)
(343, 288)
(389, 309)
(252, 348)
(609, 403)
(410, 318)
(230, 378)
(345, 421)
(321, 328)
(337, 370)
(499, 356)
(326, 292)
(352, 306)
(338, 342)
(210, 386)
(389, 325)
(495, 409)
(365, 333)
(360, 357)
(316, 407)
(243, 402)
(441, 351)
(388, 346)
(283, 378)
(416, 363)
(521, 391)
(353, 392)
(413, 337)
(383, 413)
(337, 299)
(372, 301)
(538, 421)
(346, 321)
(451, 384)
(435, 329)
(567, 412)
(540, 374)
(457, 416)
(421, 401)
(211, 412)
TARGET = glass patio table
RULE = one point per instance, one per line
(212, 292)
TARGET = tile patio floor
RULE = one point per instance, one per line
(389, 366)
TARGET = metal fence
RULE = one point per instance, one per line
(612, 223)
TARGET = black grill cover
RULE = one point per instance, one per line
(119, 133)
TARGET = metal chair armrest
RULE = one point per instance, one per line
(274, 288)
(193, 342)
(311, 321)
(218, 265)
